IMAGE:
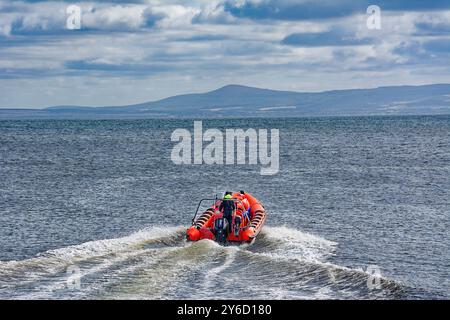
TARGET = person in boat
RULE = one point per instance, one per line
(227, 207)
(244, 204)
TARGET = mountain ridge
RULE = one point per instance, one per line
(245, 101)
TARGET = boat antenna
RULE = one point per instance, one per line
(216, 198)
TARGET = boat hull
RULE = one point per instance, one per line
(203, 226)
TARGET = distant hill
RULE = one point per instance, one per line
(242, 101)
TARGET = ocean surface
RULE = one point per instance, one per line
(360, 209)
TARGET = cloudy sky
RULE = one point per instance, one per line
(134, 51)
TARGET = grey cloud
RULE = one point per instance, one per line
(326, 9)
(432, 28)
(335, 37)
(151, 17)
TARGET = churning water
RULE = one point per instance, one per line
(97, 209)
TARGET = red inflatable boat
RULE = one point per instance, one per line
(247, 221)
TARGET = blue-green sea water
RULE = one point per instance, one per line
(360, 209)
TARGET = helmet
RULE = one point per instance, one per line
(227, 196)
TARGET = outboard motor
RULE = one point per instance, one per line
(221, 230)
(237, 225)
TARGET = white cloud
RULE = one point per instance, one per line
(213, 13)
(115, 17)
(5, 27)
